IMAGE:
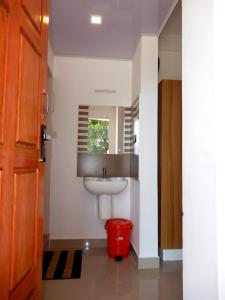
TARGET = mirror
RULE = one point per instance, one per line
(105, 130)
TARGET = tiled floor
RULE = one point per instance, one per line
(104, 279)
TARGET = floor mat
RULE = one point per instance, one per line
(62, 264)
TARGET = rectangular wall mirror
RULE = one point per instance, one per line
(107, 129)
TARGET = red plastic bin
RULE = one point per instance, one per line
(118, 237)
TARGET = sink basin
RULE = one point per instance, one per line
(105, 186)
(104, 189)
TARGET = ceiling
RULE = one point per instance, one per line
(71, 33)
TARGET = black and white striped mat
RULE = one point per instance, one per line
(62, 264)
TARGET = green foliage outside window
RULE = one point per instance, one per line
(98, 140)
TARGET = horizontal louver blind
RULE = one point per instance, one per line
(130, 113)
(82, 129)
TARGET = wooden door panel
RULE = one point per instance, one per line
(25, 289)
(1, 175)
(32, 296)
(23, 63)
(33, 9)
(24, 224)
(170, 164)
(3, 48)
(28, 96)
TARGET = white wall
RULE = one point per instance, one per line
(170, 46)
(50, 58)
(148, 106)
(135, 184)
(73, 211)
(219, 67)
(144, 198)
(170, 55)
(135, 214)
(136, 73)
(199, 153)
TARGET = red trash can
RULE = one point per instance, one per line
(118, 238)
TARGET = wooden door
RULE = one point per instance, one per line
(23, 70)
(170, 164)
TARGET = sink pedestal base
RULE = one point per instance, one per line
(105, 207)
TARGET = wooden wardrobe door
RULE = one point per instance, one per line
(170, 164)
(23, 52)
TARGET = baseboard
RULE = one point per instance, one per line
(171, 254)
(134, 253)
(148, 263)
(142, 262)
(145, 262)
(78, 244)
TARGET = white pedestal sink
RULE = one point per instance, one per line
(104, 188)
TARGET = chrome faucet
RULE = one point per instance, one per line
(104, 173)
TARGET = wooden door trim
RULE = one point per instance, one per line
(18, 172)
(5, 4)
(30, 32)
(25, 36)
(4, 71)
(27, 286)
(31, 18)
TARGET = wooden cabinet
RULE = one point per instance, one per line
(170, 164)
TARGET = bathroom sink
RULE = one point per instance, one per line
(105, 189)
(105, 186)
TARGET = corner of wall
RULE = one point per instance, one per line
(145, 84)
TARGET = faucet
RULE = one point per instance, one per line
(104, 173)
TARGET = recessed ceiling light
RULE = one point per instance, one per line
(96, 20)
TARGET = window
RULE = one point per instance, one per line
(98, 136)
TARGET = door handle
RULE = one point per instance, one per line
(46, 103)
(44, 138)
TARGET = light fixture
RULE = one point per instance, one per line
(96, 20)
